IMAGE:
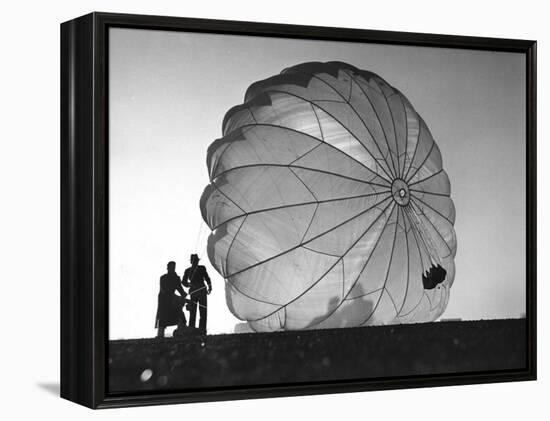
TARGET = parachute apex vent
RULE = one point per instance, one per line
(400, 192)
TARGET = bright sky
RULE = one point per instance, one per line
(169, 92)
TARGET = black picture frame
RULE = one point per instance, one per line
(84, 204)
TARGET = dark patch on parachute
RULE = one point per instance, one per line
(263, 99)
(298, 79)
(433, 277)
(314, 67)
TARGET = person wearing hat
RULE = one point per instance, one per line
(170, 306)
(197, 280)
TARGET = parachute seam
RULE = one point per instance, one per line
(297, 204)
(232, 285)
(313, 238)
(421, 264)
(310, 222)
(362, 295)
(416, 305)
(330, 268)
(360, 118)
(408, 263)
(436, 211)
(398, 171)
(343, 281)
(415, 147)
(391, 176)
(392, 301)
(427, 178)
(329, 100)
(243, 131)
(419, 241)
(429, 301)
(355, 111)
(435, 299)
(433, 226)
(228, 198)
(302, 181)
(426, 237)
(379, 122)
(322, 142)
(281, 196)
(304, 154)
(430, 192)
(406, 131)
(387, 273)
(233, 241)
(423, 162)
(364, 266)
(251, 113)
(359, 180)
(218, 161)
(320, 252)
(227, 259)
(350, 86)
(318, 121)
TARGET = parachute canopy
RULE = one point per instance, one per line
(328, 204)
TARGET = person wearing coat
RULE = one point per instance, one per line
(170, 305)
(198, 281)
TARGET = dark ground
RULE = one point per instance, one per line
(316, 355)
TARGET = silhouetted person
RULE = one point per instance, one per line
(196, 278)
(169, 309)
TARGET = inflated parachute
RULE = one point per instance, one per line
(328, 204)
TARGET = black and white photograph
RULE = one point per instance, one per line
(274, 211)
(296, 211)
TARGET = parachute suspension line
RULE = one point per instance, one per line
(198, 236)
(424, 235)
(204, 242)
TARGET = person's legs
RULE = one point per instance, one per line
(160, 332)
(192, 311)
(202, 312)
